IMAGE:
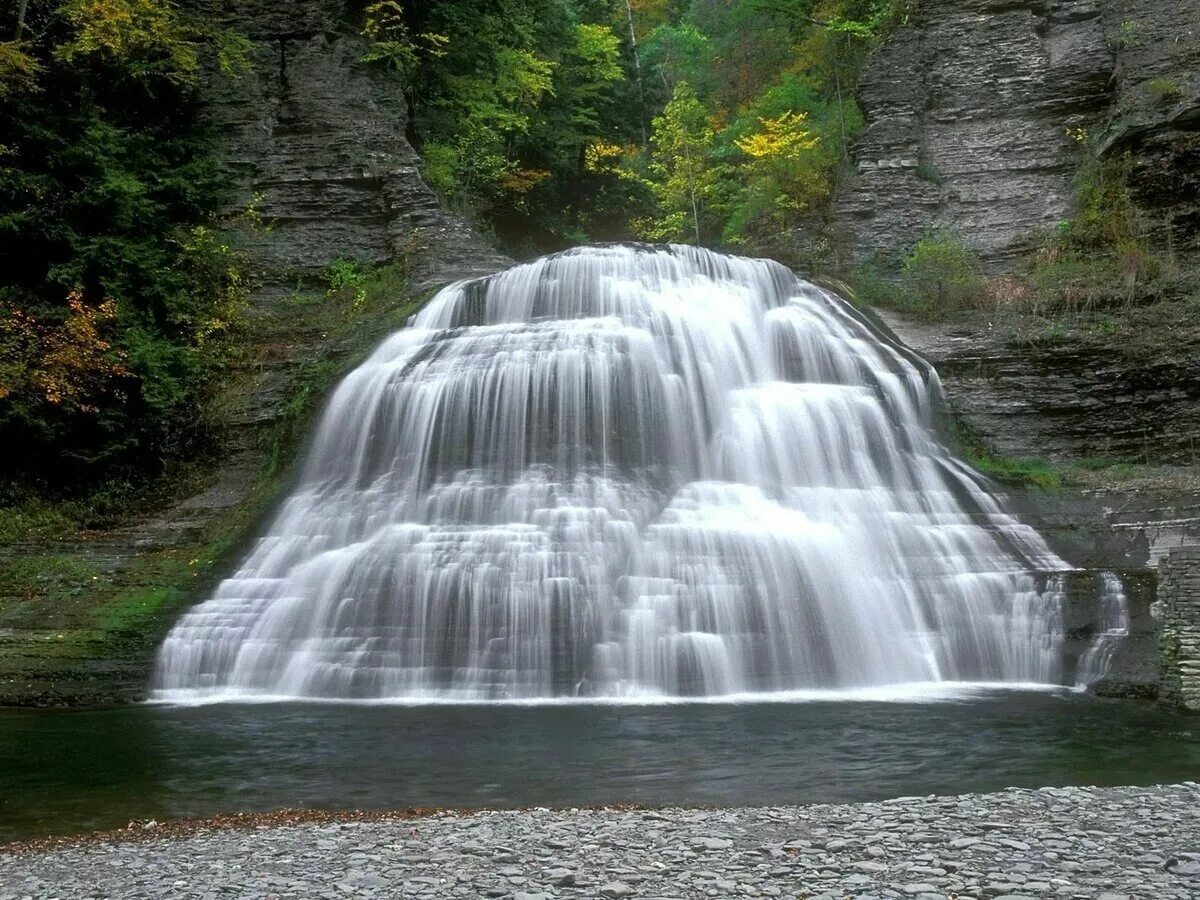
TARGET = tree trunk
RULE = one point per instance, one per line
(637, 70)
(21, 19)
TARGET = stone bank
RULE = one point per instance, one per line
(1102, 844)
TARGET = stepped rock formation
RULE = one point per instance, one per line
(626, 471)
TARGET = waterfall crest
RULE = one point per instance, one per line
(628, 471)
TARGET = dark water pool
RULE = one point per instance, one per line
(64, 772)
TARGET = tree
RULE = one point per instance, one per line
(113, 295)
(683, 175)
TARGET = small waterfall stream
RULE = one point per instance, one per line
(628, 471)
(1097, 660)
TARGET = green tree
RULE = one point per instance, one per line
(114, 296)
(683, 175)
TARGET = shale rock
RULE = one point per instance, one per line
(969, 109)
(316, 144)
(1138, 843)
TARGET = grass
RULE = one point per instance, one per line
(1044, 474)
(1038, 473)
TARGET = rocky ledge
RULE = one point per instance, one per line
(1056, 842)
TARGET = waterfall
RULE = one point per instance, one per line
(1113, 628)
(628, 471)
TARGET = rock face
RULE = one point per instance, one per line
(315, 142)
(1065, 402)
(1155, 114)
(1062, 400)
(968, 109)
(1132, 667)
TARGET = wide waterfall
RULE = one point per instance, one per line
(628, 471)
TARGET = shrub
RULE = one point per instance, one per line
(942, 274)
(1163, 91)
(927, 171)
(347, 278)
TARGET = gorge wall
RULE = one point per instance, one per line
(315, 142)
(973, 113)
(967, 110)
(969, 107)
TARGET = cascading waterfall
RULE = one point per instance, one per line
(1097, 660)
(628, 471)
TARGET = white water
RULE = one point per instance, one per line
(1097, 661)
(626, 472)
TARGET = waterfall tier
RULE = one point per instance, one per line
(628, 471)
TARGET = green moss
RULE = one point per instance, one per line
(1163, 91)
(35, 518)
(928, 172)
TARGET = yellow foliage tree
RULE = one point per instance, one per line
(782, 138)
(131, 29)
(784, 173)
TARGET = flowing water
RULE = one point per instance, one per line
(1113, 629)
(628, 472)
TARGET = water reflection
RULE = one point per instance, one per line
(63, 772)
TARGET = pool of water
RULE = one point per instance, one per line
(63, 772)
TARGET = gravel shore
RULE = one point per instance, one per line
(1071, 843)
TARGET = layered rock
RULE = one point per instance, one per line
(1179, 610)
(970, 106)
(315, 143)
(1062, 399)
(1155, 116)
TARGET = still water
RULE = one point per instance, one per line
(63, 772)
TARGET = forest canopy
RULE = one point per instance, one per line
(116, 291)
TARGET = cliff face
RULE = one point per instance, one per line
(315, 141)
(968, 109)
(1063, 400)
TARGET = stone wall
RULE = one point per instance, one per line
(315, 141)
(967, 110)
(1179, 612)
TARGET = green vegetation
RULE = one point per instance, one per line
(118, 300)
(558, 121)
(941, 274)
(73, 603)
(360, 307)
(1028, 472)
(1099, 270)
(928, 172)
(1163, 91)
(939, 277)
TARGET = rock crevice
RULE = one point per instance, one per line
(314, 141)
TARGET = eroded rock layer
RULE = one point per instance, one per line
(971, 106)
(316, 143)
